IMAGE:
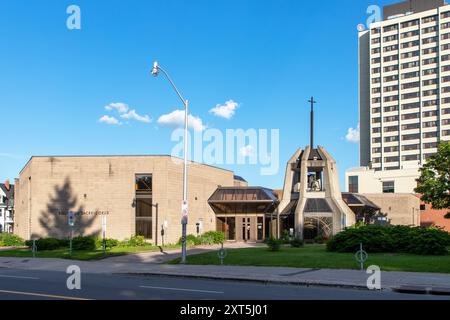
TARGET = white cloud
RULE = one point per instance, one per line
(226, 110)
(132, 114)
(125, 113)
(118, 106)
(353, 135)
(108, 120)
(176, 119)
(246, 151)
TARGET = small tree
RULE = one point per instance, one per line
(434, 181)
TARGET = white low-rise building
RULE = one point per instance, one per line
(6, 207)
(366, 180)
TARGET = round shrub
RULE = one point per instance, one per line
(191, 240)
(274, 244)
(109, 243)
(297, 243)
(10, 240)
(136, 241)
(285, 237)
(206, 240)
(216, 237)
(392, 239)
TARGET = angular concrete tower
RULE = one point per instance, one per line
(312, 203)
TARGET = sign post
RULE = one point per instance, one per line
(184, 211)
(184, 222)
(71, 222)
(104, 234)
(163, 230)
(34, 248)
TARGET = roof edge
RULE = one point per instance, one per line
(118, 156)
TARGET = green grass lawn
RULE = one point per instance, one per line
(316, 256)
(82, 255)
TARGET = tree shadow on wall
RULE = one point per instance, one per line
(54, 220)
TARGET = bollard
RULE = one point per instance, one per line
(222, 254)
(361, 256)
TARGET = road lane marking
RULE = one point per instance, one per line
(180, 289)
(18, 277)
(42, 295)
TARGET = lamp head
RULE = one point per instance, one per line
(155, 70)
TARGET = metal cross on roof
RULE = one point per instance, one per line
(312, 101)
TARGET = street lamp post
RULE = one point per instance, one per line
(184, 219)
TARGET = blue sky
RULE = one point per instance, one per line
(267, 56)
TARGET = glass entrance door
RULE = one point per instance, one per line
(246, 229)
(144, 217)
(260, 228)
(144, 206)
(227, 225)
(242, 228)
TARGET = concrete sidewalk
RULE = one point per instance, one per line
(163, 257)
(322, 277)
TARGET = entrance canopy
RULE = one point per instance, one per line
(290, 208)
(365, 210)
(237, 200)
(357, 201)
(317, 206)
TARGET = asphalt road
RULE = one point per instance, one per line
(44, 285)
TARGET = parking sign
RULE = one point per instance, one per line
(71, 218)
(184, 208)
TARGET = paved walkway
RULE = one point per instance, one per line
(150, 264)
(163, 257)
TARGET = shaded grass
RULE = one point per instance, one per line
(316, 256)
(82, 254)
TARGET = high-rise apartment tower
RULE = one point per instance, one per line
(404, 75)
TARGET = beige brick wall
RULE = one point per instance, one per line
(106, 184)
(401, 209)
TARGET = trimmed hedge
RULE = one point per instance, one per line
(84, 243)
(392, 239)
(208, 238)
(78, 243)
(10, 240)
(48, 244)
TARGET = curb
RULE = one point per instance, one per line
(263, 281)
(423, 290)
